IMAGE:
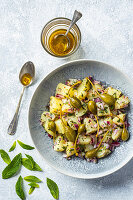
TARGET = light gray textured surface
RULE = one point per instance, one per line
(107, 35)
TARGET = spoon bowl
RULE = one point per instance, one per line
(27, 68)
(62, 39)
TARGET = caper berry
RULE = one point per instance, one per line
(69, 133)
(81, 128)
(125, 134)
(92, 107)
(91, 153)
(108, 99)
(52, 126)
(75, 102)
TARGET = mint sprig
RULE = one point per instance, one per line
(14, 166)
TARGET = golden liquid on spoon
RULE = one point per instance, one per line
(26, 79)
(60, 44)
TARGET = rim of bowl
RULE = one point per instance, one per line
(70, 52)
(84, 176)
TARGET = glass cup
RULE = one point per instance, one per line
(56, 24)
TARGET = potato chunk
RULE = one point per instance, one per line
(122, 102)
(83, 89)
(114, 92)
(116, 133)
(83, 139)
(73, 122)
(102, 152)
(102, 109)
(92, 94)
(66, 106)
(59, 143)
(62, 89)
(46, 115)
(70, 149)
(59, 126)
(55, 105)
(105, 122)
(90, 125)
(119, 119)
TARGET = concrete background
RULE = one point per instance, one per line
(107, 35)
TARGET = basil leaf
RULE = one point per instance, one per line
(13, 167)
(31, 190)
(33, 184)
(19, 188)
(31, 159)
(27, 164)
(25, 146)
(53, 188)
(32, 179)
(13, 147)
(5, 156)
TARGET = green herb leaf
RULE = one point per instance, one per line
(32, 179)
(33, 184)
(27, 164)
(13, 147)
(53, 188)
(31, 160)
(31, 190)
(13, 167)
(5, 156)
(19, 188)
(25, 146)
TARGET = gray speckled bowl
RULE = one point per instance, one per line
(77, 167)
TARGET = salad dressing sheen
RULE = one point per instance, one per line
(61, 45)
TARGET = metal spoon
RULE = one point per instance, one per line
(76, 16)
(28, 68)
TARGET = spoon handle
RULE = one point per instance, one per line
(13, 125)
(77, 15)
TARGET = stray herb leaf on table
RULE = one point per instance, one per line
(31, 160)
(32, 179)
(19, 188)
(29, 165)
(5, 156)
(13, 167)
(25, 146)
(53, 188)
(13, 147)
(33, 184)
(31, 190)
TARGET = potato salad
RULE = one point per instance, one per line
(86, 119)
